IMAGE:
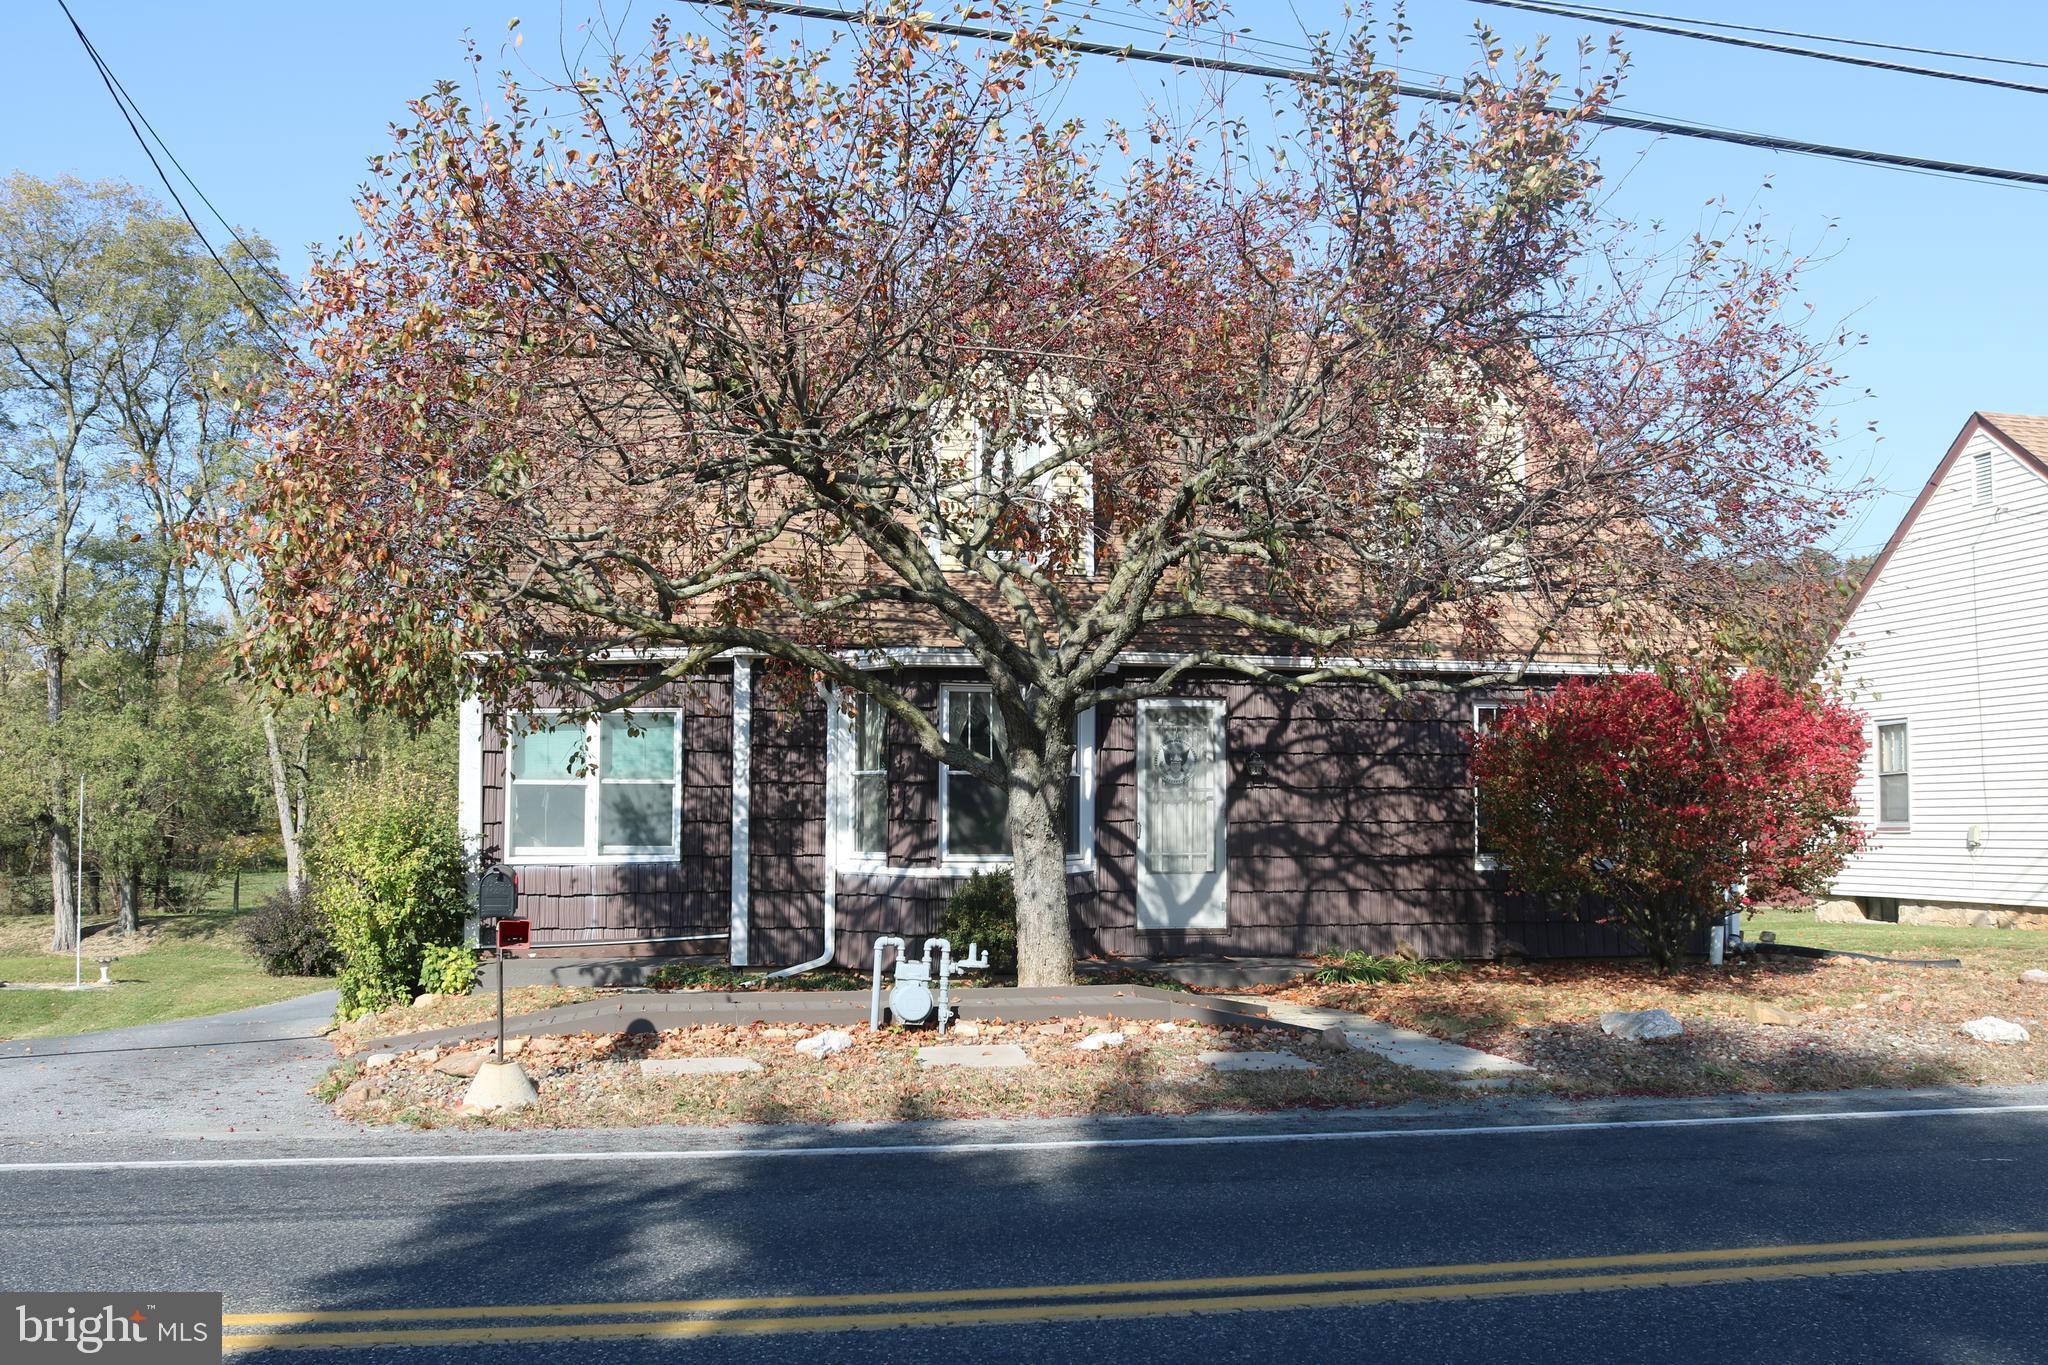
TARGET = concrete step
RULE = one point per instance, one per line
(1404, 1047)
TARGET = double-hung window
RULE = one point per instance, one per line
(1484, 717)
(625, 805)
(1894, 786)
(869, 826)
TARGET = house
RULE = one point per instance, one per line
(1227, 819)
(1944, 648)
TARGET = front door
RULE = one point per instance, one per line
(1183, 877)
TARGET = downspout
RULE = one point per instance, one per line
(835, 768)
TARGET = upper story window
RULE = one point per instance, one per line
(1894, 783)
(1986, 477)
(626, 805)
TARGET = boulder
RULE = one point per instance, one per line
(430, 998)
(462, 1064)
(2034, 976)
(377, 1061)
(1641, 1026)
(1761, 1013)
(1992, 1029)
(1096, 1042)
(359, 1093)
(826, 1043)
(1838, 912)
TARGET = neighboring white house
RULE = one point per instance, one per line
(1945, 651)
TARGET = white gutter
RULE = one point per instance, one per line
(742, 797)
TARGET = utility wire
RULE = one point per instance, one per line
(122, 103)
(1874, 63)
(1821, 37)
(1674, 128)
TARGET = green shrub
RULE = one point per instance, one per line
(983, 910)
(448, 969)
(393, 880)
(289, 936)
(1356, 968)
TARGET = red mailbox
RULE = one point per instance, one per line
(512, 933)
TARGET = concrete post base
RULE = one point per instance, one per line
(499, 1086)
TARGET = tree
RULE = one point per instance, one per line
(797, 350)
(1647, 801)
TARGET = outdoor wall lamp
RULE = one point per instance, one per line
(1255, 767)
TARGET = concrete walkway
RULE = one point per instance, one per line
(241, 1074)
(1404, 1047)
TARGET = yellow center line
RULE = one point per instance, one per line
(1576, 1265)
(1139, 1308)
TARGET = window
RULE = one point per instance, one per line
(975, 813)
(1985, 477)
(1483, 719)
(870, 814)
(624, 806)
(1894, 790)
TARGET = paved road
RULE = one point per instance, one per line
(1091, 1222)
(223, 1075)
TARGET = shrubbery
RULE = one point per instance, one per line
(289, 936)
(983, 910)
(393, 878)
(448, 969)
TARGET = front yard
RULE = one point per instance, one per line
(1852, 1024)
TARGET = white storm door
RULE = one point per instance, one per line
(1183, 876)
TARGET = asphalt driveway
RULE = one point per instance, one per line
(244, 1073)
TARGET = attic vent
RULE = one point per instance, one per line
(1983, 477)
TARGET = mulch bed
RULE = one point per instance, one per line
(595, 1081)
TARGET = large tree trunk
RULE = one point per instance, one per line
(62, 928)
(1038, 828)
(290, 815)
(128, 897)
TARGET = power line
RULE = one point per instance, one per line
(1847, 59)
(1670, 127)
(1822, 38)
(123, 104)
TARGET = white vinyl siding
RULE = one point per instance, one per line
(1953, 636)
(625, 807)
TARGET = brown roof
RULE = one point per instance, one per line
(2028, 433)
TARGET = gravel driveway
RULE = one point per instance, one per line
(243, 1073)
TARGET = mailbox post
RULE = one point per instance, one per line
(497, 905)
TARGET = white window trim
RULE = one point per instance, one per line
(1878, 774)
(840, 758)
(591, 781)
(842, 755)
(1481, 862)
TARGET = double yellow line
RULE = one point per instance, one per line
(689, 1318)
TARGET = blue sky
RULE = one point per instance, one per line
(274, 107)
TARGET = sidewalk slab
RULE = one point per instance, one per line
(975, 1056)
(1403, 1047)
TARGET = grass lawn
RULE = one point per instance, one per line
(2019, 948)
(186, 965)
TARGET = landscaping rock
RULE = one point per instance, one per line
(697, 1066)
(2034, 976)
(462, 1064)
(1838, 912)
(1761, 1013)
(966, 1028)
(979, 1057)
(1641, 1026)
(361, 1092)
(377, 1061)
(826, 1043)
(1992, 1029)
(515, 1046)
(1096, 1042)
(430, 998)
(1255, 1061)
(1057, 1026)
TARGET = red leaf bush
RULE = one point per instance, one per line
(1646, 801)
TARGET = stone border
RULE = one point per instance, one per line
(657, 1013)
